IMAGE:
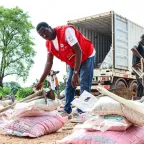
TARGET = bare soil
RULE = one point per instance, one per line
(46, 139)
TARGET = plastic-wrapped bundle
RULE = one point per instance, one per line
(104, 123)
(107, 63)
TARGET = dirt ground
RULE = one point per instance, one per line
(46, 139)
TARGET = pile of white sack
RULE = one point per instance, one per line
(34, 118)
(106, 121)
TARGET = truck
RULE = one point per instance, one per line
(110, 32)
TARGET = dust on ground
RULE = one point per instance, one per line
(46, 139)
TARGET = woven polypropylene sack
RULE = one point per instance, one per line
(107, 106)
(33, 126)
(134, 116)
(133, 135)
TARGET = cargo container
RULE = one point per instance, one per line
(110, 30)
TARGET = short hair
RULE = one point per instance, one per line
(42, 24)
(142, 37)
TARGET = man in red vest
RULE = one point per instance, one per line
(69, 45)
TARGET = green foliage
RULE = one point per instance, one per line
(62, 86)
(14, 86)
(16, 45)
(5, 91)
(45, 84)
(23, 92)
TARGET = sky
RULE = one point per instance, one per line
(58, 12)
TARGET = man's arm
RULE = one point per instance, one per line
(78, 59)
(78, 56)
(47, 69)
(73, 42)
(135, 51)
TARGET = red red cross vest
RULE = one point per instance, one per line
(66, 53)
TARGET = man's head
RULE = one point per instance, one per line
(142, 38)
(45, 31)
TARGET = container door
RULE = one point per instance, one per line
(120, 42)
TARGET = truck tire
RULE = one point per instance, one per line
(133, 86)
(119, 83)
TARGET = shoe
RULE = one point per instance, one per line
(60, 109)
(76, 118)
(65, 114)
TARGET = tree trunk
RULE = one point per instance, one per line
(1, 82)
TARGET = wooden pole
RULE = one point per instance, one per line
(125, 102)
(23, 100)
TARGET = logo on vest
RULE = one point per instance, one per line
(62, 45)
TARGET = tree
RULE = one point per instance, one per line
(14, 86)
(62, 86)
(16, 45)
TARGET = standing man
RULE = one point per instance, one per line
(138, 53)
(53, 82)
(69, 45)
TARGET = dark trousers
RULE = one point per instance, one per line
(140, 86)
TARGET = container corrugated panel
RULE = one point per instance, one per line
(101, 43)
(134, 33)
(99, 23)
(120, 42)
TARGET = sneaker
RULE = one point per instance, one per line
(61, 109)
(76, 118)
(65, 114)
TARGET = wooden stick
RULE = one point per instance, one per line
(32, 96)
(7, 107)
(25, 99)
(126, 102)
(35, 98)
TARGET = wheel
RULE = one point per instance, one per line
(133, 85)
(120, 88)
(120, 83)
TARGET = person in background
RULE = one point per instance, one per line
(138, 53)
(70, 46)
(9, 97)
(53, 82)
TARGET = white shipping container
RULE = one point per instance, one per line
(110, 29)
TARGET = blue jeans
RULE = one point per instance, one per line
(86, 75)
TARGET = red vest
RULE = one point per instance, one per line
(66, 53)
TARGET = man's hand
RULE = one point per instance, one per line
(143, 61)
(38, 86)
(75, 80)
